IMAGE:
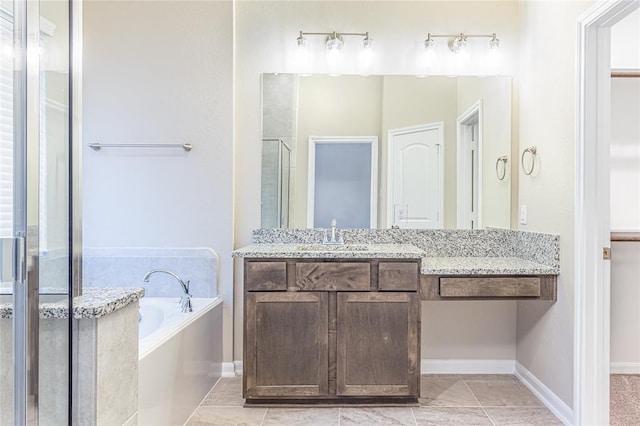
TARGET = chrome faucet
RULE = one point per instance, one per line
(185, 300)
(335, 237)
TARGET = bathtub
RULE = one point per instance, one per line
(180, 358)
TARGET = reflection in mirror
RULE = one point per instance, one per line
(276, 163)
(439, 140)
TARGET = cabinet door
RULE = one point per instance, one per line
(378, 344)
(286, 344)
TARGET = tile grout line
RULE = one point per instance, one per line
(264, 416)
(203, 399)
(478, 401)
(413, 414)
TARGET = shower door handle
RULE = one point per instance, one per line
(20, 256)
(12, 259)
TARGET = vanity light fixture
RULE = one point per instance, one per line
(334, 42)
(458, 42)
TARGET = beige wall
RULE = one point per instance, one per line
(409, 101)
(495, 95)
(546, 86)
(265, 34)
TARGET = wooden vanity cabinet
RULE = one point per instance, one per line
(286, 344)
(331, 331)
(496, 287)
(378, 344)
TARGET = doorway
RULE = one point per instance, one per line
(592, 222)
(469, 174)
(625, 222)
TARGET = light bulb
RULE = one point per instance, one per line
(458, 44)
(494, 43)
(366, 54)
(302, 57)
(301, 41)
(494, 57)
(334, 45)
(430, 52)
(367, 43)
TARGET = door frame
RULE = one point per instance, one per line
(592, 227)
(463, 172)
(311, 174)
(439, 125)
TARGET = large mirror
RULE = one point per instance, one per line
(386, 151)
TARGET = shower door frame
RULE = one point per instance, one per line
(25, 240)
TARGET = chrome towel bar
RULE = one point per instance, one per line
(98, 146)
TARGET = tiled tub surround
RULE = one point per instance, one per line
(110, 267)
(106, 392)
(516, 251)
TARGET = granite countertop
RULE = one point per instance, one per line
(95, 302)
(346, 251)
(484, 266)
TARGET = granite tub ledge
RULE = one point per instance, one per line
(94, 303)
(484, 266)
(348, 251)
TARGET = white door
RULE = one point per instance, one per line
(415, 185)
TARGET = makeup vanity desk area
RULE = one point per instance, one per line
(337, 325)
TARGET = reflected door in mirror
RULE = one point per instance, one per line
(416, 177)
(342, 182)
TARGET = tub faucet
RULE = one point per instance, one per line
(185, 300)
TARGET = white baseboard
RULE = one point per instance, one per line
(467, 366)
(548, 398)
(228, 369)
(625, 368)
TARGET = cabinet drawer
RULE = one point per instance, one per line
(265, 276)
(333, 276)
(490, 287)
(398, 276)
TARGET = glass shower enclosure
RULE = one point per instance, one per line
(36, 212)
(276, 170)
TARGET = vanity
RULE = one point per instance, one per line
(340, 325)
(333, 325)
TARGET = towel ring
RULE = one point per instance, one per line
(502, 160)
(531, 150)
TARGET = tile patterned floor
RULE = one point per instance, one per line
(445, 400)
